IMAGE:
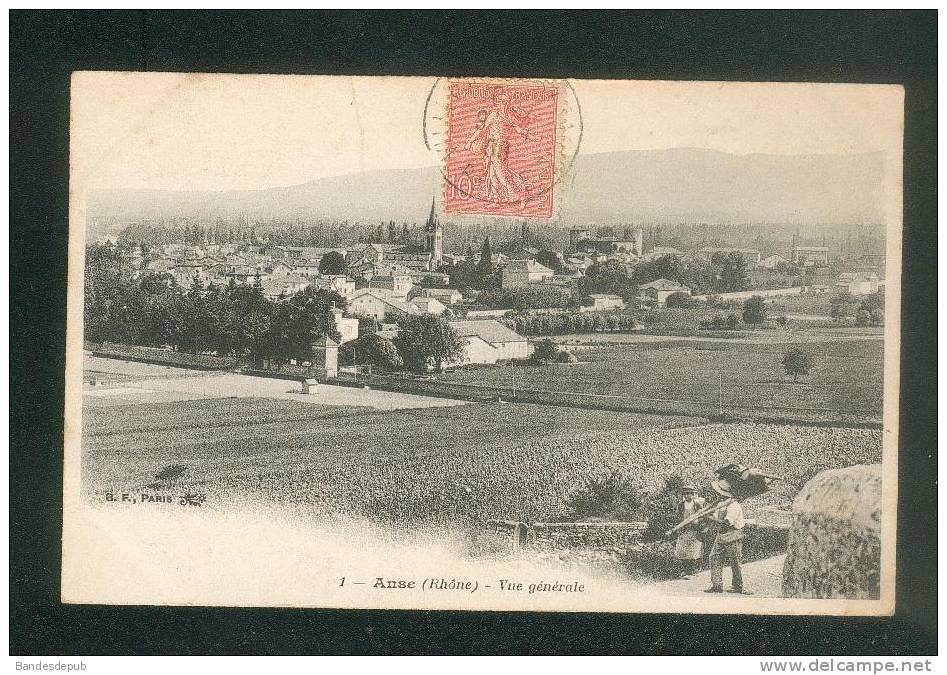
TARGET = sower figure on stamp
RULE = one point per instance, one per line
(727, 548)
(688, 549)
(491, 137)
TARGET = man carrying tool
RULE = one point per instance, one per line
(728, 544)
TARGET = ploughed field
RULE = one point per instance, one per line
(847, 376)
(469, 462)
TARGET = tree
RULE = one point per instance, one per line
(299, 321)
(549, 259)
(333, 263)
(797, 362)
(610, 276)
(427, 341)
(367, 325)
(109, 290)
(874, 300)
(733, 275)
(245, 322)
(463, 274)
(843, 307)
(665, 267)
(754, 311)
(862, 318)
(371, 349)
(545, 351)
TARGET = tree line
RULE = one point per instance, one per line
(569, 323)
(233, 320)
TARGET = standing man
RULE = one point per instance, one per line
(727, 548)
(688, 548)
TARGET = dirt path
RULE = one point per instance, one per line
(763, 577)
(128, 382)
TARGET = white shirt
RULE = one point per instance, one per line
(734, 515)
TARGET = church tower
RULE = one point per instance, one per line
(434, 238)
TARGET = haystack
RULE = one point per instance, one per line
(835, 539)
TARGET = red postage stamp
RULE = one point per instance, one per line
(501, 158)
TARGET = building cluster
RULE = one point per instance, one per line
(388, 281)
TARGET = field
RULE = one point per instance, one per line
(847, 376)
(449, 464)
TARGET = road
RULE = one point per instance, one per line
(124, 382)
(763, 577)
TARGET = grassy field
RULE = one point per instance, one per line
(471, 462)
(848, 376)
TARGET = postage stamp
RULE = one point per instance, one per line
(501, 157)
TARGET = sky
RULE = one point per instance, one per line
(238, 132)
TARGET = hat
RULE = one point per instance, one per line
(688, 487)
(722, 487)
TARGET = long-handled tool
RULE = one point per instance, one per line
(698, 515)
(746, 483)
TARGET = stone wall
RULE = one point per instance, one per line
(584, 535)
(835, 537)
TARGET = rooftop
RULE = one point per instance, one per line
(527, 266)
(488, 330)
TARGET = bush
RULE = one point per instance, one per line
(862, 318)
(546, 351)
(782, 320)
(754, 311)
(608, 497)
(733, 321)
(567, 357)
(679, 300)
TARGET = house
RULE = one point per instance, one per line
(656, 292)
(306, 266)
(428, 305)
(523, 272)
(658, 251)
(276, 269)
(347, 327)
(447, 296)
(602, 302)
(159, 265)
(489, 341)
(809, 256)
(565, 280)
(399, 285)
(337, 283)
(771, 262)
(378, 304)
(750, 255)
(857, 283)
(276, 288)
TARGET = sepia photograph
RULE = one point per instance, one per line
(475, 343)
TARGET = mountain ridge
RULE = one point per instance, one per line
(607, 187)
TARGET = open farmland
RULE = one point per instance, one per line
(461, 463)
(847, 376)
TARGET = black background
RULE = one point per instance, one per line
(880, 47)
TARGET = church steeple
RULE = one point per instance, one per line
(434, 237)
(431, 219)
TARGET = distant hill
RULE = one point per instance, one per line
(625, 186)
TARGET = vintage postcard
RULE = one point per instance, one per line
(483, 344)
